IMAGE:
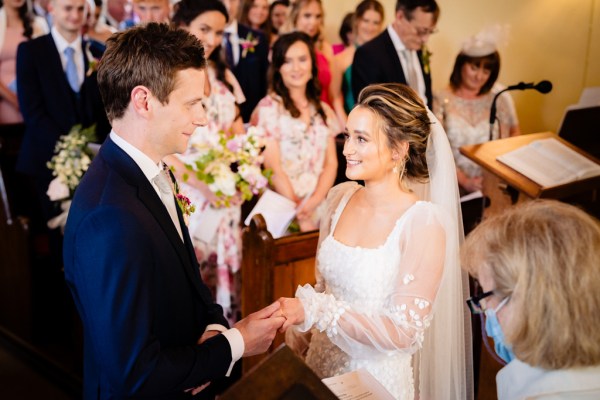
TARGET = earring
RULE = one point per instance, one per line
(401, 167)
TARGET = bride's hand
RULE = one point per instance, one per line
(292, 310)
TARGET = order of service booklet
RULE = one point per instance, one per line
(277, 210)
(548, 162)
(357, 385)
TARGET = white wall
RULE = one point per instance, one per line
(558, 40)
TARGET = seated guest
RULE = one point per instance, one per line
(218, 251)
(464, 106)
(537, 264)
(299, 129)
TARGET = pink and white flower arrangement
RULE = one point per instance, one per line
(231, 166)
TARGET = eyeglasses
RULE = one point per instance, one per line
(422, 32)
(474, 302)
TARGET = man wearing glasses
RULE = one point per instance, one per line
(398, 54)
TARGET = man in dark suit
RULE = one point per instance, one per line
(398, 54)
(53, 100)
(150, 326)
(246, 53)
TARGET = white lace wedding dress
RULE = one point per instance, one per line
(371, 307)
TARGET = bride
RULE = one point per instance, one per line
(389, 293)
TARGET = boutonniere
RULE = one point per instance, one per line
(92, 61)
(249, 44)
(184, 203)
(425, 59)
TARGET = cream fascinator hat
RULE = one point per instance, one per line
(486, 42)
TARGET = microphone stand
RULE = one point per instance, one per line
(493, 112)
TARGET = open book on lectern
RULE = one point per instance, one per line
(548, 162)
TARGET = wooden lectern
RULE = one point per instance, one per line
(504, 186)
(282, 376)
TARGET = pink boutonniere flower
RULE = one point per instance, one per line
(183, 202)
(248, 44)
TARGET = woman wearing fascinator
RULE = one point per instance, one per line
(464, 106)
(389, 289)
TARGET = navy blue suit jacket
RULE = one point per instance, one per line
(137, 288)
(251, 71)
(49, 106)
(377, 62)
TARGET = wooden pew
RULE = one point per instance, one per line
(273, 268)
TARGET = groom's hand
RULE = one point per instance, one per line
(258, 329)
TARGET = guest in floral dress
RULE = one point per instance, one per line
(215, 231)
(299, 129)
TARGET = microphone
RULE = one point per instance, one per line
(542, 87)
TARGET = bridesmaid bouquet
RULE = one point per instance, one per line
(230, 165)
(72, 157)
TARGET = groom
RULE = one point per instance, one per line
(150, 326)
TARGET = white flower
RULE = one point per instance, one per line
(225, 181)
(57, 190)
(251, 174)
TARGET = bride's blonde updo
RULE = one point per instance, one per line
(403, 118)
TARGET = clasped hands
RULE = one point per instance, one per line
(258, 329)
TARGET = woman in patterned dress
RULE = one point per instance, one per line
(299, 129)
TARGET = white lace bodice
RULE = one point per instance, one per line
(372, 306)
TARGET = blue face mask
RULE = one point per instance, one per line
(494, 330)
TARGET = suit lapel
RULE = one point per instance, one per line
(55, 71)
(130, 171)
(395, 64)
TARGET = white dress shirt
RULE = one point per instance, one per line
(416, 65)
(61, 44)
(234, 38)
(150, 170)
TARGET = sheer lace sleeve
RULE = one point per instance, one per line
(400, 322)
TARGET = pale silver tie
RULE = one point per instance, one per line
(162, 180)
(71, 69)
(411, 74)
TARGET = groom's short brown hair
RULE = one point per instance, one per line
(148, 55)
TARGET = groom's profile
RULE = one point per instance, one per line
(150, 326)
